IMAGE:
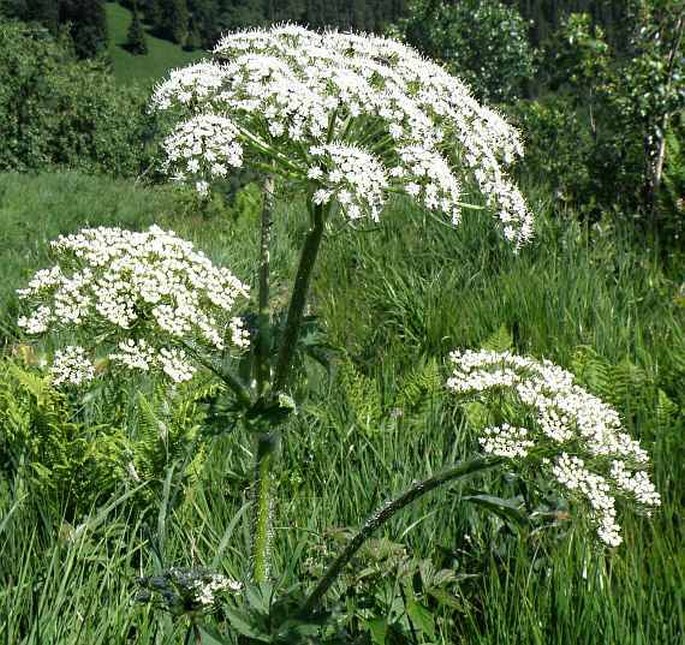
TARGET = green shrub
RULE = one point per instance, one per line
(483, 42)
(55, 110)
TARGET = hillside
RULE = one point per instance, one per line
(145, 70)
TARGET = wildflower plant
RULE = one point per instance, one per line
(148, 301)
(573, 439)
(346, 120)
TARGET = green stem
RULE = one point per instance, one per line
(267, 454)
(263, 349)
(385, 513)
(268, 440)
(299, 298)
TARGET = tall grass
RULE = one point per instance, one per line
(389, 303)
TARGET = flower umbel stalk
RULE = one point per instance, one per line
(268, 440)
(299, 297)
(385, 512)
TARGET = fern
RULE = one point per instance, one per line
(625, 385)
(361, 395)
(168, 431)
(419, 387)
(500, 341)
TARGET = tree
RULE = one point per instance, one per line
(135, 37)
(87, 25)
(483, 42)
(656, 75)
(174, 19)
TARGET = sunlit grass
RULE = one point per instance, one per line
(393, 300)
(145, 69)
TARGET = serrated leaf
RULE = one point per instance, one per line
(211, 636)
(445, 598)
(501, 341)
(240, 622)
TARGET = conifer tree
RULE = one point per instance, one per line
(174, 20)
(135, 37)
(88, 23)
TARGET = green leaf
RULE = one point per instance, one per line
(501, 341)
(240, 622)
(211, 636)
(378, 628)
(507, 509)
(421, 617)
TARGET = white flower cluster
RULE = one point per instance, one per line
(352, 176)
(72, 365)
(580, 436)
(290, 90)
(204, 146)
(190, 85)
(506, 441)
(187, 591)
(146, 295)
(205, 588)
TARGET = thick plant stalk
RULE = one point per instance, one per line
(299, 298)
(385, 512)
(268, 440)
(267, 454)
(262, 368)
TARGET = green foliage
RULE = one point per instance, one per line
(397, 300)
(79, 457)
(83, 20)
(43, 443)
(203, 21)
(56, 111)
(135, 36)
(386, 595)
(361, 394)
(484, 43)
(618, 109)
(87, 25)
(625, 385)
(174, 20)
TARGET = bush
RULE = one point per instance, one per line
(55, 110)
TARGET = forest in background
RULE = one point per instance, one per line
(198, 23)
(595, 85)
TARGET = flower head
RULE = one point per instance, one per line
(149, 297)
(576, 438)
(290, 95)
(186, 591)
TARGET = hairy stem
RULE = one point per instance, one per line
(267, 454)
(298, 299)
(381, 515)
(268, 440)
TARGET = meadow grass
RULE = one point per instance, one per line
(389, 302)
(147, 69)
